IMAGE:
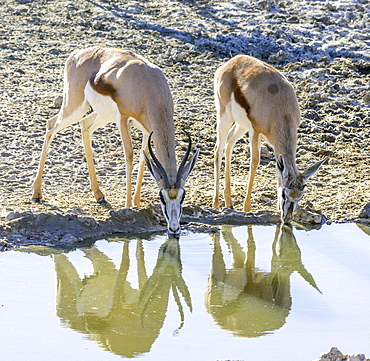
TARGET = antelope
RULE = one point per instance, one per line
(252, 96)
(123, 87)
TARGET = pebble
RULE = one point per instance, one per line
(365, 212)
(69, 239)
(77, 210)
(88, 221)
(179, 56)
(13, 215)
(58, 101)
(335, 355)
(307, 216)
(4, 245)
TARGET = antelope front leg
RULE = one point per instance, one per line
(255, 159)
(227, 190)
(140, 174)
(54, 125)
(224, 124)
(87, 130)
(129, 155)
(217, 166)
(236, 132)
(50, 133)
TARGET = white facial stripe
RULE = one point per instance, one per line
(172, 208)
(288, 204)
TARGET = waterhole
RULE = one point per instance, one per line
(245, 293)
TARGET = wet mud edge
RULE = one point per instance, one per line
(70, 230)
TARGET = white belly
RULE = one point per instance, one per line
(105, 107)
(238, 114)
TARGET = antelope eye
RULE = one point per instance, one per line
(161, 198)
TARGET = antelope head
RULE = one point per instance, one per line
(171, 194)
(291, 187)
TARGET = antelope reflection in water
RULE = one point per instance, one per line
(122, 319)
(247, 301)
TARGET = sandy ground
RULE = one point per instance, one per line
(321, 47)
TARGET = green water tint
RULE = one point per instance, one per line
(247, 301)
(273, 292)
(122, 319)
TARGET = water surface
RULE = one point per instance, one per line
(248, 292)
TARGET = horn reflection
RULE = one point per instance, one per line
(121, 318)
(247, 301)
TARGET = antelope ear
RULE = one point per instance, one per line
(280, 163)
(153, 168)
(189, 166)
(313, 169)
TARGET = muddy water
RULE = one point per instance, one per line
(246, 293)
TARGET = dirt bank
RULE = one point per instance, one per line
(322, 48)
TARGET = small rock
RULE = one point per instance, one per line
(54, 51)
(366, 98)
(279, 57)
(333, 161)
(227, 210)
(311, 114)
(77, 210)
(58, 101)
(202, 228)
(332, 355)
(4, 245)
(69, 239)
(87, 221)
(97, 24)
(13, 215)
(309, 216)
(330, 6)
(329, 138)
(365, 212)
(180, 56)
(335, 355)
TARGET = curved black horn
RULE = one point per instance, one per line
(180, 171)
(158, 164)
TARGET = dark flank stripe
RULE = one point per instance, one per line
(239, 96)
(102, 87)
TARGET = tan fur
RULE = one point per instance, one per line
(139, 90)
(172, 193)
(271, 105)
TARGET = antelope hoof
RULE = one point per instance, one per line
(137, 202)
(102, 201)
(247, 208)
(36, 200)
